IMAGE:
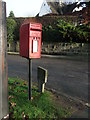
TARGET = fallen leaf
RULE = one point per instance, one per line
(13, 104)
(25, 83)
(23, 114)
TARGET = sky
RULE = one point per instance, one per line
(23, 8)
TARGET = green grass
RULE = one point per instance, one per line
(40, 107)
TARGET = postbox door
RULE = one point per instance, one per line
(35, 44)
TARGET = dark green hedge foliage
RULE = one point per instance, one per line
(61, 31)
(66, 32)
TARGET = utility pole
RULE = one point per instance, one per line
(3, 62)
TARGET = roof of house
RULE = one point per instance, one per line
(55, 8)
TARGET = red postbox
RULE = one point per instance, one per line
(30, 40)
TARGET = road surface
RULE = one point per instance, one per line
(69, 77)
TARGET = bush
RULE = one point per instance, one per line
(66, 32)
(11, 25)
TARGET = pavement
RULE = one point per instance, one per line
(81, 113)
(73, 57)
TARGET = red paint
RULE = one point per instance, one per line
(30, 40)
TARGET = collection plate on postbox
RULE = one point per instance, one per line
(30, 40)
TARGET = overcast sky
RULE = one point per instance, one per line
(23, 8)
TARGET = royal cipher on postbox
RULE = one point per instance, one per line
(30, 40)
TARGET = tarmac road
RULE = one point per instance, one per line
(69, 77)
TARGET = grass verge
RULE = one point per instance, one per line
(42, 105)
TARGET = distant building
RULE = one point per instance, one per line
(61, 7)
(45, 9)
(66, 7)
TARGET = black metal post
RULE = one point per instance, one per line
(30, 80)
